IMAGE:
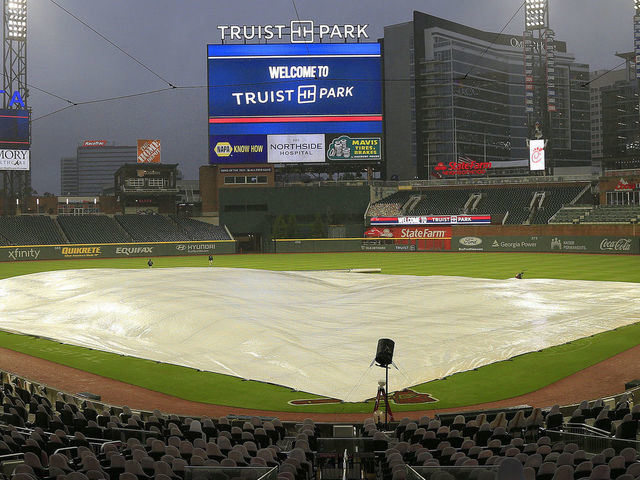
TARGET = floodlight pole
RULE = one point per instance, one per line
(14, 18)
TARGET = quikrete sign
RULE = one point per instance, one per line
(297, 31)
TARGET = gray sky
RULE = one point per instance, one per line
(170, 37)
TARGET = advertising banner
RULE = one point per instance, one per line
(118, 250)
(14, 159)
(434, 220)
(94, 143)
(546, 243)
(536, 155)
(148, 151)
(295, 148)
(237, 149)
(409, 232)
(354, 148)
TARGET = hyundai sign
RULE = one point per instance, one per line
(291, 90)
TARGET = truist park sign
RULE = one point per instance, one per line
(297, 31)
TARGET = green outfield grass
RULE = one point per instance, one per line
(510, 378)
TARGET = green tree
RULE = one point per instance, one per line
(318, 229)
(279, 227)
(292, 227)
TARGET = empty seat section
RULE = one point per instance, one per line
(198, 230)
(151, 228)
(92, 229)
(30, 230)
(390, 205)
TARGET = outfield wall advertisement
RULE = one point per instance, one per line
(294, 103)
(117, 250)
(558, 243)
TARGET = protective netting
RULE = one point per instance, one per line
(311, 331)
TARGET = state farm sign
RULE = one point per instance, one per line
(462, 168)
(443, 233)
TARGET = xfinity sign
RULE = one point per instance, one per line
(298, 31)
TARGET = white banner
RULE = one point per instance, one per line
(536, 155)
(14, 159)
(295, 148)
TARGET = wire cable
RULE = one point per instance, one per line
(584, 85)
(112, 43)
(493, 41)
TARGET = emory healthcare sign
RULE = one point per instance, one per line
(14, 159)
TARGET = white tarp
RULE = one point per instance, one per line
(312, 331)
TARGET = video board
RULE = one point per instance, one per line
(14, 139)
(14, 128)
(294, 103)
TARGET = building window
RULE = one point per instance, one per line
(155, 182)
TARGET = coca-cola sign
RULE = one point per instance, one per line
(619, 245)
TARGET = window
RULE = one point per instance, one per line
(155, 182)
(229, 180)
(134, 182)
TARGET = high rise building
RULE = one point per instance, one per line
(93, 168)
(454, 93)
(615, 120)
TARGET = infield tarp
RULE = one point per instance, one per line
(312, 331)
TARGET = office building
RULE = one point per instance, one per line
(93, 168)
(457, 94)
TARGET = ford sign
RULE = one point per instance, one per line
(470, 241)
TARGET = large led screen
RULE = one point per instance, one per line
(14, 129)
(295, 90)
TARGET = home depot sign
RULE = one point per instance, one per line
(148, 151)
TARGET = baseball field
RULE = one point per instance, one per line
(507, 379)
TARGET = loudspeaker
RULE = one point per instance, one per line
(384, 352)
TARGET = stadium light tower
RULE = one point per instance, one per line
(536, 14)
(17, 184)
(539, 69)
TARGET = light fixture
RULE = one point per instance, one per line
(16, 14)
(536, 14)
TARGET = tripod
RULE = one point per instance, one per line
(382, 395)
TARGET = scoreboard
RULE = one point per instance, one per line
(302, 103)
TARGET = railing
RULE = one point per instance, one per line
(244, 473)
(462, 473)
(590, 439)
(485, 181)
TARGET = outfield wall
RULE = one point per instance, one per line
(116, 250)
(469, 243)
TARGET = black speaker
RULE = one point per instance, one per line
(384, 353)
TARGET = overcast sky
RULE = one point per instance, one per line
(170, 36)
